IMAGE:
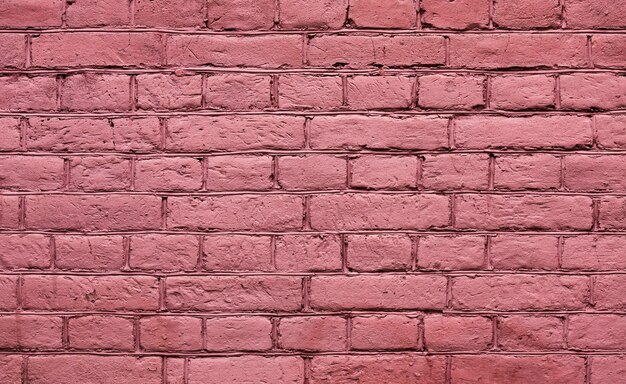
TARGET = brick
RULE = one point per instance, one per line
(518, 51)
(612, 213)
(96, 92)
(102, 173)
(608, 292)
(526, 14)
(594, 173)
(557, 369)
(399, 14)
(9, 212)
(164, 252)
(94, 369)
(11, 369)
(169, 174)
(593, 252)
(611, 131)
(608, 51)
(607, 369)
(448, 171)
(389, 332)
(268, 51)
(513, 252)
(30, 332)
(384, 172)
(457, 333)
(451, 252)
(591, 14)
(220, 133)
(87, 134)
(595, 91)
(312, 172)
(238, 369)
(380, 132)
(101, 212)
(241, 14)
(12, 49)
(96, 253)
(370, 253)
(380, 92)
(237, 253)
(378, 292)
(597, 332)
(493, 212)
(463, 14)
(253, 293)
(520, 292)
(169, 13)
(31, 173)
(23, 93)
(308, 253)
(515, 92)
(371, 369)
(171, 333)
(101, 333)
(253, 92)
(238, 333)
(98, 13)
(310, 92)
(533, 132)
(313, 14)
(8, 290)
(236, 173)
(370, 51)
(24, 251)
(530, 333)
(520, 172)
(313, 333)
(31, 13)
(162, 92)
(451, 92)
(9, 134)
(235, 212)
(379, 211)
(84, 293)
(97, 49)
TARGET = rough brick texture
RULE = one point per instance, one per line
(312, 191)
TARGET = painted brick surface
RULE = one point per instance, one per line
(312, 191)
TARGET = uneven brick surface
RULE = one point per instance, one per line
(312, 191)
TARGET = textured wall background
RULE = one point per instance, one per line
(311, 191)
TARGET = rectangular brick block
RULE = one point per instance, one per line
(516, 92)
(594, 252)
(23, 93)
(101, 332)
(313, 333)
(168, 174)
(96, 92)
(96, 253)
(380, 92)
(464, 14)
(232, 173)
(447, 171)
(369, 253)
(523, 172)
(237, 369)
(13, 50)
(513, 252)
(384, 172)
(451, 92)
(520, 292)
(595, 91)
(376, 292)
(237, 253)
(164, 252)
(306, 253)
(31, 332)
(530, 333)
(379, 211)
(451, 252)
(310, 92)
(597, 332)
(171, 333)
(387, 332)
(252, 333)
(253, 293)
(458, 333)
(24, 251)
(102, 173)
(40, 13)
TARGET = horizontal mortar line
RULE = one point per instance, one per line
(300, 353)
(419, 272)
(320, 71)
(314, 313)
(425, 232)
(337, 152)
(343, 31)
(347, 191)
(310, 113)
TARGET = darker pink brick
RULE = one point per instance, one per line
(237, 253)
(313, 14)
(584, 91)
(12, 49)
(445, 172)
(530, 333)
(96, 92)
(460, 14)
(232, 173)
(102, 173)
(312, 172)
(24, 251)
(608, 292)
(39, 13)
(519, 172)
(527, 14)
(31, 332)
(516, 92)
(593, 332)
(171, 333)
(238, 333)
(97, 253)
(31, 173)
(9, 212)
(169, 174)
(253, 91)
(101, 333)
(164, 252)
(451, 252)
(384, 172)
(380, 92)
(310, 92)
(383, 14)
(9, 134)
(308, 253)
(237, 369)
(457, 333)
(513, 252)
(241, 14)
(369, 253)
(313, 333)
(609, 50)
(594, 252)
(169, 13)
(21, 93)
(589, 14)
(595, 173)
(160, 91)
(451, 92)
(98, 13)
(384, 332)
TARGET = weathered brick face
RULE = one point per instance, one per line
(312, 191)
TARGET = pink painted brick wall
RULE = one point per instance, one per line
(312, 191)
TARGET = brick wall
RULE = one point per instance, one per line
(312, 191)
